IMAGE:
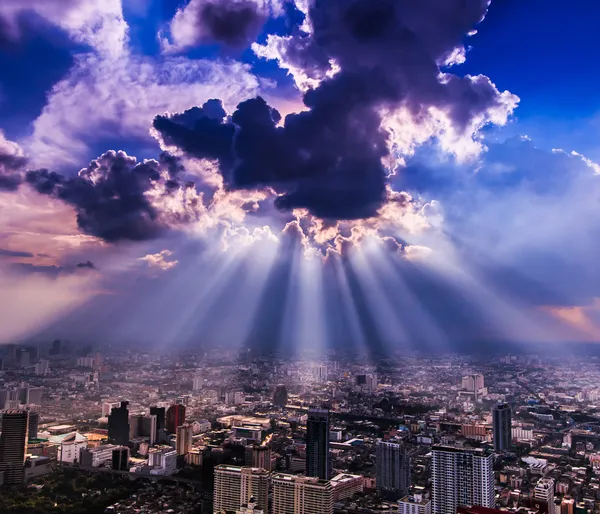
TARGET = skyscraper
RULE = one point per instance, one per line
(184, 439)
(236, 486)
(13, 445)
(175, 417)
(258, 457)
(34, 422)
(120, 458)
(462, 477)
(280, 397)
(501, 416)
(118, 425)
(159, 412)
(317, 444)
(393, 470)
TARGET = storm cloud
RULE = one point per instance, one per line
(367, 58)
(116, 198)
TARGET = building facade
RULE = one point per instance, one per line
(393, 470)
(502, 421)
(294, 494)
(118, 425)
(461, 477)
(317, 444)
(237, 486)
(13, 445)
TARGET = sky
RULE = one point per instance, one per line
(300, 175)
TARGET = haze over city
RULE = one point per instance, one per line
(332, 246)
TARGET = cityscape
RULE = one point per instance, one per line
(299, 257)
(225, 432)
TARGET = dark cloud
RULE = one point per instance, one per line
(11, 164)
(328, 159)
(13, 253)
(111, 194)
(234, 23)
(51, 271)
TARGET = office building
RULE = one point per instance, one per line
(502, 421)
(280, 396)
(317, 444)
(13, 445)
(107, 407)
(415, 504)
(258, 457)
(184, 439)
(543, 495)
(160, 414)
(474, 385)
(320, 373)
(236, 486)
(461, 477)
(34, 423)
(118, 425)
(120, 458)
(175, 417)
(294, 494)
(393, 470)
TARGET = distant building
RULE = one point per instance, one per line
(320, 373)
(184, 439)
(162, 460)
(346, 486)
(393, 470)
(118, 425)
(236, 486)
(502, 422)
(175, 417)
(258, 457)
(69, 447)
(120, 458)
(461, 477)
(543, 495)
(13, 445)
(415, 504)
(280, 396)
(160, 414)
(34, 423)
(197, 383)
(98, 456)
(317, 444)
(301, 495)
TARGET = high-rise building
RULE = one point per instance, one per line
(175, 417)
(34, 423)
(197, 383)
(462, 477)
(317, 444)
(543, 495)
(258, 457)
(120, 458)
(501, 416)
(184, 439)
(159, 412)
(294, 494)
(13, 445)
(118, 425)
(280, 396)
(320, 373)
(236, 486)
(474, 385)
(393, 470)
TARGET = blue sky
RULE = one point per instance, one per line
(275, 155)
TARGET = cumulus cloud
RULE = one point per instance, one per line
(368, 58)
(160, 260)
(104, 99)
(235, 23)
(97, 23)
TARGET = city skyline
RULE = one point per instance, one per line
(299, 176)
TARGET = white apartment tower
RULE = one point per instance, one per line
(236, 486)
(543, 494)
(462, 477)
(301, 495)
